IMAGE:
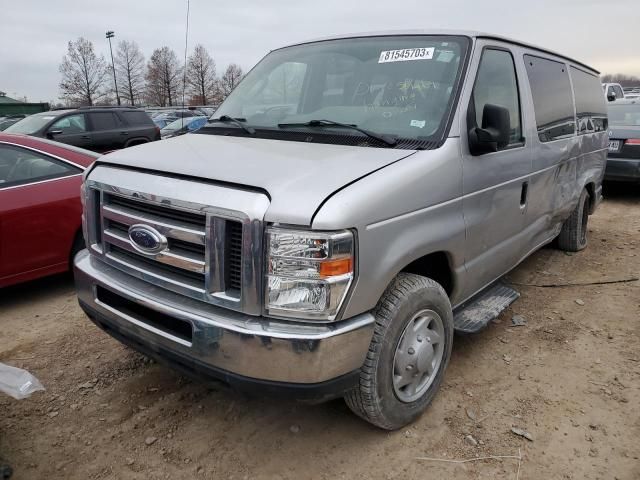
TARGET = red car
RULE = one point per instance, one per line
(40, 208)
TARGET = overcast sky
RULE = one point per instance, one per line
(34, 33)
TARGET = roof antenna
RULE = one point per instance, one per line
(184, 68)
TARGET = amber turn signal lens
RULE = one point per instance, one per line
(332, 268)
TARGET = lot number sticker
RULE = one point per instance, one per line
(406, 55)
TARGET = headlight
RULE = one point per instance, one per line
(308, 273)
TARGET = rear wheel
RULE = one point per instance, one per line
(573, 236)
(408, 354)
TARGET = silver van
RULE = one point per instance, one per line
(353, 203)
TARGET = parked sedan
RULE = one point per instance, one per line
(623, 163)
(163, 120)
(182, 126)
(7, 121)
(40, 209)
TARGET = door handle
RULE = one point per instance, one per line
(124, 133)
(524, 194)
(85, 137)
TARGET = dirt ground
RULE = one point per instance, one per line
(570, 377)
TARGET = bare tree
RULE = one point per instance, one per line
(164, 77)
(622, 79)
(130, 70)
(83, 74)
(232, 76)
(201, 75)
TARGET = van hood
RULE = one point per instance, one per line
(297, 176)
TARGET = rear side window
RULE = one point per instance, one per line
(136, 118)
(104, 120)
(20, 166)
(552, 98)
(591, 110)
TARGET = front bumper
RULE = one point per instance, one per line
(622, 170)
(242, 350)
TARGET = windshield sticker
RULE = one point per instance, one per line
(418, 123)
(406, 55)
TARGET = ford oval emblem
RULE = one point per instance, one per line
(147, 239)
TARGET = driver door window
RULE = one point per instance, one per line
(70, 125)
(496, 84)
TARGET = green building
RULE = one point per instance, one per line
(10, 106)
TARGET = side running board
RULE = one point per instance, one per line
(476, 313)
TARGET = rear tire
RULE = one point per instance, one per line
(408, 354)
(573, 236)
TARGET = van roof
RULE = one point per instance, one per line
(465, 33)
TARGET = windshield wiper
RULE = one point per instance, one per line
(330, 123)
(235, 121)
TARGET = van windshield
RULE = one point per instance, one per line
(400, 86)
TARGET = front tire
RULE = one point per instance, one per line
(408, 354)
(573, 236)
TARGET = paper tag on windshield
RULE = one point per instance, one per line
(418, 123)
(406, 55)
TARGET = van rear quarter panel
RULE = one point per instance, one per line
(401, 213)
(562, 169)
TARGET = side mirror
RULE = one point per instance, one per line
(53, 133)
(611, 96)
(495, 131)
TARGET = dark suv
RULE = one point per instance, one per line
(95, 128)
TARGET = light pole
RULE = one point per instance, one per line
(110, 35)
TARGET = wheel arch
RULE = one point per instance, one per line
(436, 266)
(591, 190)
(136, 141)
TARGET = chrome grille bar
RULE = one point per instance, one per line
(177, 230)
(190, 262)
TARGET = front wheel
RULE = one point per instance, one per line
(408, 354)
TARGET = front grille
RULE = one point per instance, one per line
(203, 239)
(187, 264)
